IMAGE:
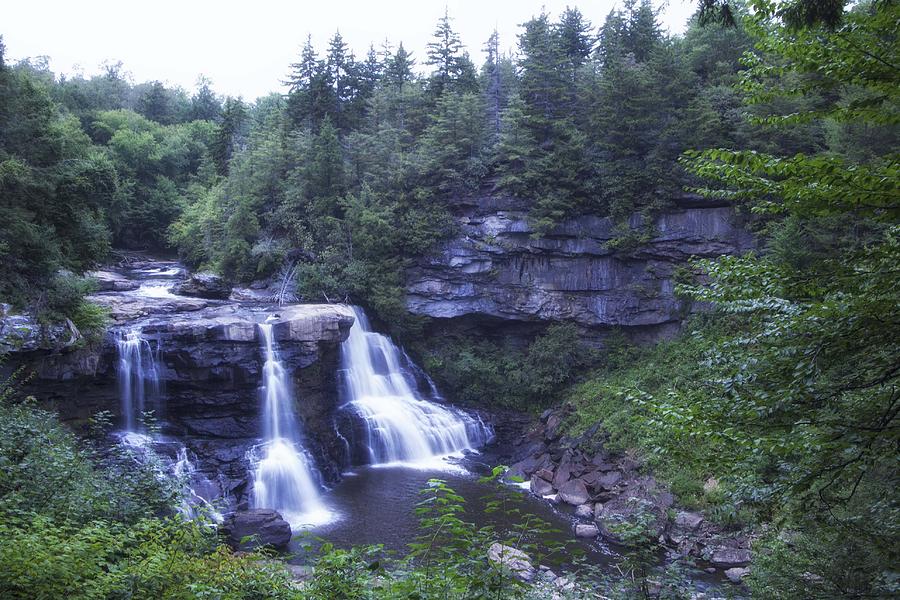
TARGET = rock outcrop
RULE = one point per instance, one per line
(497, 268)
(205, 285)
(263, 527)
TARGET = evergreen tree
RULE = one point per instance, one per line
(399, 69)
(543, 84)
(226, 137)
(493, 81)
(325, 171)
(204, 105)
(155, 104)
(575, 40)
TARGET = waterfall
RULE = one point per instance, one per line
(138, 375)
(198, 490)
(285, 478)
(400, 426)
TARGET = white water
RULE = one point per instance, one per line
(138, 376)
(198, 490)
(401, 427)
(155, 289)
(285, 478)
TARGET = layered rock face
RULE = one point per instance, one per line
(495, 268)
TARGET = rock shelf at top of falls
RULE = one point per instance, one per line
(148, 295)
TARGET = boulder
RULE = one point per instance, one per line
(736, 574)
(110, 281)
(574, 492)
(586, 530)
(541, 486)
(205, 285)
(688, 521)
(609, 480)
(265, 526)
(553, 427)
(523, 468)
(584, 511)
(726, 558)
(545, 474)
(513, 559)
(563, 471)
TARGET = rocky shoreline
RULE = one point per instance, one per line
(606, 491)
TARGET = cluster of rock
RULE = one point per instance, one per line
(609, 491)
(24, 333)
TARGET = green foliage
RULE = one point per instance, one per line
(659, 401)
(496, 374)
(152, 558)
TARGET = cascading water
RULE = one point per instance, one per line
(285, 478)
(138, 375)
(400, 426)
(197, 491)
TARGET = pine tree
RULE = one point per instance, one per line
(444, 55)
(399, 69)
(325, 171)
(155, 104)
(340, 65)
(642, 32)
(204, 105)
(492, 77)
(543, 83)
(575, 40)
(234, 114)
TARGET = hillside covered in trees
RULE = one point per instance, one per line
(774, 412)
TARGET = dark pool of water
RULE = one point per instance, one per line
(376, 505)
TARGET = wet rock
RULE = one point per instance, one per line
(736, 574)
(523, 468)
(205, 285)
(586, 530)
(574, 492)
(642, 500)
(541, 486)
(110, 281)
(130, 307)
(264, 525)
(584, 511)
(513, 559)
(729, 557)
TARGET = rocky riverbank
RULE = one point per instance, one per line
(611, 494)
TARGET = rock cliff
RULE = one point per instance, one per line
(496, 268)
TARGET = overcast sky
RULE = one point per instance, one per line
(245, 47)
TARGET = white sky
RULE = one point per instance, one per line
(246, 47)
